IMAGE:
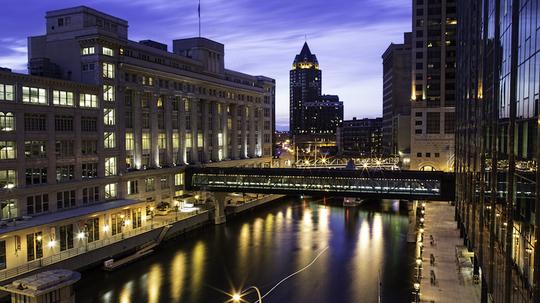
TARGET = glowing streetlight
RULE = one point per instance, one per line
(237, 297)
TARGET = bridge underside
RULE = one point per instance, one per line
(380, 184)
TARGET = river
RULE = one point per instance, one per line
(362, 255)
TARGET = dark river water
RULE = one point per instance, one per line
(357, 248)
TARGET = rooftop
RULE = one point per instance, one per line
(64, 215)
(42, 283)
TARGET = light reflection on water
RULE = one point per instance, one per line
(265, 246)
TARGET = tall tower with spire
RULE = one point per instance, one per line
(305, 87)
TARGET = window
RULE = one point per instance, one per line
(200, 139)
(64, 148)
(66, 237)
(419, 155)
(107, 51)
(108, 93)
(3, 263)
(110, 191)
(7, 122)
(89, 170)
(162, 141)
(129, 119)
(133, 187)
(428, 155)
(90, 195)
(108, 70)
(146, 120)
(65, 199)
(34, 95)
(110, 166)
(65, 173)
(179, 179)
(88, 100)
(8, 209)
(63, 123)
(37, 204)
(433, 123)
(109, 140)
(88, 124)
(164, 182)
(8, 178)
(150, 184)
(89, 147)
(35, 149)
(130, 143)
(145, 141)
(88, 67)
(117, 221)
(108, 116)
(6, 92)
(437, 155)
(176, 141)
(8, 150)
(88, 51)
(36, 176)
(92, 229)
(189, 141)
(136, 218)
(62, 98)
(35, 122)
(449, 122)
(34, 246)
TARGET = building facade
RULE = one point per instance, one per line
(397, 97)
(305, 86)
(433, 85)
(361, 138)
(497, 145)
(99, 134)
(314, 117)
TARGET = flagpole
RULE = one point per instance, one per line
(199, 10)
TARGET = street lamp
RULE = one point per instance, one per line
(151, 217)
(237, 297)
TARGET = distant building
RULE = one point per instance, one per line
(397, 98)
(360, 138)
(314, 117)
(433, 91)
(305, 86)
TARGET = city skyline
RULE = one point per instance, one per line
(347, 41)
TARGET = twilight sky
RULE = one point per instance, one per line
(260, 37)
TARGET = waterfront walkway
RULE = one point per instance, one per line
(452, 268)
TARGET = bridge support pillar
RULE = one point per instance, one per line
(219, 217)
(411, 210)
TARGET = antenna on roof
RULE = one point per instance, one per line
(199, 11)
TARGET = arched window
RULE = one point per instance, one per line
(7, 122)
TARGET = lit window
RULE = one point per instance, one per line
(62, 98)
(110, 191)
(179, 179)
(88, 51)
(176, 141)
(108, 139)
(108, 70)
(34, 95)
(146, 141)
(8, 178)
(88, 100)
(189, 140)
(108, 93)
(8, 150)
(110, 166)
(107, 51)
(7, 122)
(108, 116)
(200, 140)
(6, 92)
(130, 144)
